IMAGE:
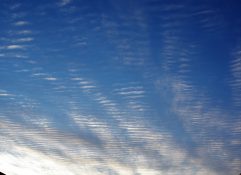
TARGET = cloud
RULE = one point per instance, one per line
(86, 85)
(235, 81)
(133, 48)
(21, 23)
(118, 141)
(24, 32)
(15, 6)
(27, 156)
(203, 122)
(46, 152)
(64, 2)
(15, 46)
(134, 96)
(5, 94)
(50, 78)
(27, 39)
(81, 125)
(77, 79)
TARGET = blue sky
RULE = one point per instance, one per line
(143, 87)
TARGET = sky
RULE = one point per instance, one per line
(120, 87)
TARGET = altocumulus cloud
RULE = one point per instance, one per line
(149, 94)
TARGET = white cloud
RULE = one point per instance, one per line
(77, 79)
(84, 82)
(50, 78)
(28, 39)
(39, 74)
(5, 94)
(87, 87)
(30, 162)
(21, 23)
(15, 46)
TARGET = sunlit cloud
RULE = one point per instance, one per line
(15, 46)
(5, 95)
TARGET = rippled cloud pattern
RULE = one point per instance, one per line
(141, 87)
